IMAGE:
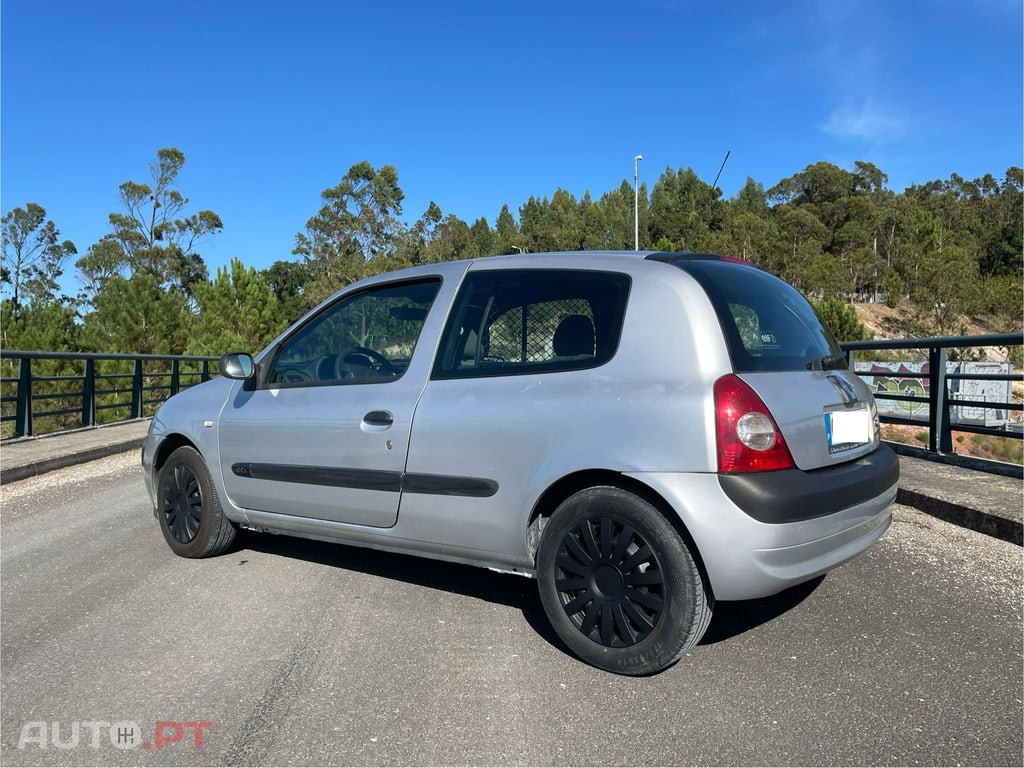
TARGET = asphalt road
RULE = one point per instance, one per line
(288, 652)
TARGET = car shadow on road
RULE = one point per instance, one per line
(734, 617)
(731, 618)
(471, 581)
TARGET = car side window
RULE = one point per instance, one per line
(508, 322)
(362, 338)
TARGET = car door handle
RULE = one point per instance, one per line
(379, 419)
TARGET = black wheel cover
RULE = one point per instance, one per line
(182, 503)
(609, 582)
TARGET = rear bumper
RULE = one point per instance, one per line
(791, 495)
(745, 558)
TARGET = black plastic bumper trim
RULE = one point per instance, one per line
(792, 495)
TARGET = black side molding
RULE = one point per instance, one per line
(369, 479)
(449, 485)
(337, 477)
(792, 495)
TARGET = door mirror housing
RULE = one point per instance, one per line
(236, 365)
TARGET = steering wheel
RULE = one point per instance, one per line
(371, 360)
(291, 376)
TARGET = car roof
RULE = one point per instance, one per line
(597, 258)
(627, 261)
(665, 256)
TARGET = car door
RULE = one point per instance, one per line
(323, 430)
(515, 363)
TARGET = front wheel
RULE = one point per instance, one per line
(191, 517)
(618, 583)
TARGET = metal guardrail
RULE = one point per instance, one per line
(940, 400)
(80, 389)
(129, 391)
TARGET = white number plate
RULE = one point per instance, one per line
(848, 429)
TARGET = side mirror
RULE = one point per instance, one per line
(236, 365)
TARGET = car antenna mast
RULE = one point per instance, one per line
(728, 152)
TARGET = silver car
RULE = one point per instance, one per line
(643, 433)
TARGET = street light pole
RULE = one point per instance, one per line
(636, 202)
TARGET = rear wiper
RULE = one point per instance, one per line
(827, 363)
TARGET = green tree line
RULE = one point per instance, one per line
(948, 249)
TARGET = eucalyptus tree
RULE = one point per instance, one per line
(153, 234)
(357, 224)
(450, 240)
(750, 237)
(818, 184)
(802, 236)
(413, 247)
(33, 255)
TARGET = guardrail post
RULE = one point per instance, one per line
(175, 377)
(23, 406)
(940, 436)
(89, 393)
(137, 389)
(206, 371)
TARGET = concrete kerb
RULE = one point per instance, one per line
(983, 501)
(966, 517)
(22, 458)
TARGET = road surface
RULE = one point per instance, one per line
(288, 652)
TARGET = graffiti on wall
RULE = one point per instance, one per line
(881, 381)
(995, 392)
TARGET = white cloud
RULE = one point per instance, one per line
(856, 70)
(866, 120)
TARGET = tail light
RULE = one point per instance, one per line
(749, 440)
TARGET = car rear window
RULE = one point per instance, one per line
(768, 324)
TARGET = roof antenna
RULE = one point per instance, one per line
(715, 184)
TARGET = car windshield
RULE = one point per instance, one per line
(768, 324)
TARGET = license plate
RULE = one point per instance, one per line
(848, 429)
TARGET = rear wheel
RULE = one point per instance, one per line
(191, 517)
(619, 584)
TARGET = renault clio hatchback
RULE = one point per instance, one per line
(643, 433)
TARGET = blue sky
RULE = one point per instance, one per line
(483, 103)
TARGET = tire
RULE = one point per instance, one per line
(189, 510)
(618, 583)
